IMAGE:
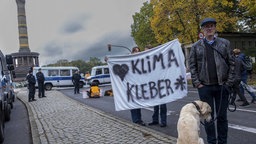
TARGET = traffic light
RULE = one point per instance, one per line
(9, 59)
(109, 47)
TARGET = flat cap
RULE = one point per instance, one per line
(207, 20)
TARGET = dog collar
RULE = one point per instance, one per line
(197, 107)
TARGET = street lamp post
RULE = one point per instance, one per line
(110, 46)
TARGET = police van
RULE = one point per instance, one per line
(6, 90)
(100, 75)
(58, 76)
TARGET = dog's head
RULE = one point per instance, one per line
(205, 110)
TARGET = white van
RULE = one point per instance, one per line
(58, 76)
(100, 75)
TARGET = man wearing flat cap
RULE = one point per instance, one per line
(212, 72)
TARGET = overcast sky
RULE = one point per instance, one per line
(70, 29)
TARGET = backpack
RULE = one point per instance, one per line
(247, 63)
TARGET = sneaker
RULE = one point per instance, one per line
(153, 123)
(245, 104)
(163, 125)
(253, 101)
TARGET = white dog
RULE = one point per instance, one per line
(189, 122)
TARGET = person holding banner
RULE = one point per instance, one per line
(163, 115)
(162, 107)
(136, 113)
(212, 71)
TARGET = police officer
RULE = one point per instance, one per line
(76, 79)
(31, 86)
(40, 81)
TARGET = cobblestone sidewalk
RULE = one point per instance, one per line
(58, 119)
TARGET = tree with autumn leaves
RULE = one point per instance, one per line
(160, 21)
(142, 31)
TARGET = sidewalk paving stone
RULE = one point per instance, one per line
(60, 119)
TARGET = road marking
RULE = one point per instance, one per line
(243, 128)
(152, 109)
(246, 110)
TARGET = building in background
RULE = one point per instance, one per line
(244, 41)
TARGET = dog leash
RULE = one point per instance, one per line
(198, 109)
(200, 112)
(221, 96)
(231, 102)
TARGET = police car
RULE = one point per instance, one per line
(58, 76)
(100, 75)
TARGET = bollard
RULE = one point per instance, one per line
(101, 93)
(85, 94)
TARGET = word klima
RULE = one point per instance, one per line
(146, 65)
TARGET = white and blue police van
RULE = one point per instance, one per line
(58, 76)
(100, 75)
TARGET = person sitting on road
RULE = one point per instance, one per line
(109, 93)
(94, 91)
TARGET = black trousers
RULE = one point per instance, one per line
(41, 89)
(217, 97)
(76, 90)
(163, 113)
(236, 88)
(32, 91)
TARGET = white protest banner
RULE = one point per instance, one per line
(148, 78)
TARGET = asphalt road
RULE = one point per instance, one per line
(242, 125)
(17, 130)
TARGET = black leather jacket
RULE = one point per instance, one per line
(239, 68)
(198, 65)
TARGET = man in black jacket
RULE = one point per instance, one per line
(212, 72)
(31, 86)
(40, 80)
(239, 68)
(76, 79)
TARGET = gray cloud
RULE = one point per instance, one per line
(56, 50)
(72, 28)
(51, 49)
(100, 49)
(75, 24)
